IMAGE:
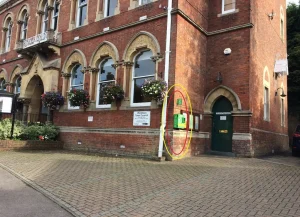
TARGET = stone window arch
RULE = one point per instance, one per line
(266, 93)
(23, 18)
(107, 54)
(7, 33)
(15, 79)
(74, 59)
(214, 95)
(140, 43)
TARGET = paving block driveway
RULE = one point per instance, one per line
(201, 186)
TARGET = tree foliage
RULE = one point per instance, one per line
(293, 46)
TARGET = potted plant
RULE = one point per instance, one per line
(154, 89)
(112, 92)
(78, 97)
(52, 100)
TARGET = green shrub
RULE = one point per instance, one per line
(40, 132)
(5, 129)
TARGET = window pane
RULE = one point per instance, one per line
(229, 5)
(144, 65)
(111, 6)
(18, 85)
(77, 76)
(137, 96)
(82, 15)
(55, 23)
(107, 72)
(100, 94)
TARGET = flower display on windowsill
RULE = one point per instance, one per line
(52, 100)
(154, 89)
(78, 97)
(112, 92)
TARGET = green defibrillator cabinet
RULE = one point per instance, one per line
(179, 121)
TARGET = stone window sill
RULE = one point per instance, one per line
(225, 14)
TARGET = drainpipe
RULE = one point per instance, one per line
(166, 76)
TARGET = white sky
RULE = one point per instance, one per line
(292, 1)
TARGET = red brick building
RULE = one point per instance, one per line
(228, 54)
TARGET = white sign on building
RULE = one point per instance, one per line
(141, 118)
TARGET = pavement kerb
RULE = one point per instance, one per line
(47, 194)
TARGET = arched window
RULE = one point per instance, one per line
(2, 84)
(81, 12)
(24, 26)
(45, 18)
(8, 36)
(76, 81)
(18, 85)
(77, 77)
(106, 76)
(144, 68)
(55, 15)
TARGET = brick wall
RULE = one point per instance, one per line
(6, 145)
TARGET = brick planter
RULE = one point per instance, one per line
(6, 145)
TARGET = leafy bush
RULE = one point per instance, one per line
(5, 129)
(40, 132)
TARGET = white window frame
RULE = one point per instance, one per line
(45, 19)
(79, 11)
(140, 104)
(71, 86)
(98, 86)
(148, 1)
(18, 80)
(228, 11)
(55, 15)
(24, 27)
(266, 103)
(8, 37)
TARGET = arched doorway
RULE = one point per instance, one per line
(34, 90)
(222, 126)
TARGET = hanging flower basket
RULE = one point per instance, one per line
(52, 100)
(112, 92)
(79, 98)
(154, 89)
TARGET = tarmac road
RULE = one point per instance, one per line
(19, 200)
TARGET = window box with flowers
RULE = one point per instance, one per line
(154, 90)
(113, 93)
(79, 97)
(52, 100)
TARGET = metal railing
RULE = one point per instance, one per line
(40, 38)
(31, 118)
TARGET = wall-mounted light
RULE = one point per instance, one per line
(271, 15)
(282, 92)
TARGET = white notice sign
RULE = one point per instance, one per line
(5, 104)
(141, 118)
(223, 118)
(90, 118)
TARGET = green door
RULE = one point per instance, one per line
(222, 126)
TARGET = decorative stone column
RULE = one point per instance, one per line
(50, 9)
(26, 102)
(4, 30)
(127, 71)
(19, 33)
(39, 22)
(65, 88)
